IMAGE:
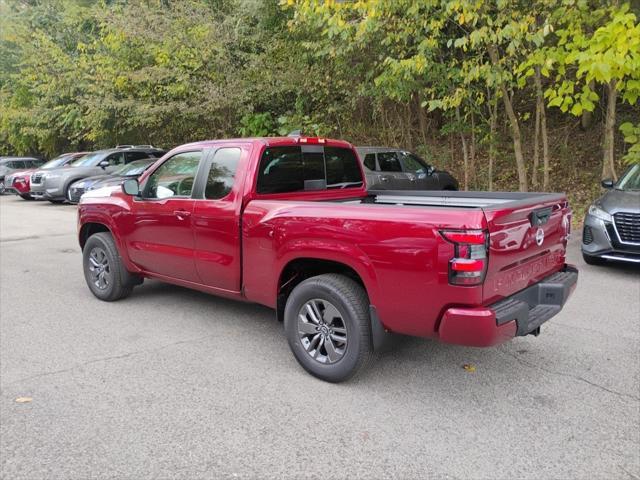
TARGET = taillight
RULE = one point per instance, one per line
(469, 263)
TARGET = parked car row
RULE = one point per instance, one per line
(67, 177)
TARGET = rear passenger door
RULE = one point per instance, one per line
(391, 175)
(216, 217)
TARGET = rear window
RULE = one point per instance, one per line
(295, 169)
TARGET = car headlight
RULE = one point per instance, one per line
(600, 213)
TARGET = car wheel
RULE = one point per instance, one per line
(26, 196)
(55, 202)
(328, 328)
(591, 260)
(104, 272)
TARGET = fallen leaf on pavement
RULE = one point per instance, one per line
(468, 367)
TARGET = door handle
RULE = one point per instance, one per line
(412, 178)
(182, 214)
(384, 178)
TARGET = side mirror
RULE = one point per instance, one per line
(131, 187)
(104, 164)
(607, 183)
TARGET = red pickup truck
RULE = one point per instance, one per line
(288, 223)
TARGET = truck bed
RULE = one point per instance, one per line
(484, 200)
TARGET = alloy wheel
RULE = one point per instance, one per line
(322, 331)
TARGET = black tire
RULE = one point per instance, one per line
(591, 260)
(351, 302)
(117, 281)
(26, 196)
(55, 202)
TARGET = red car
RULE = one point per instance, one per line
(20, 181)
(288, 223)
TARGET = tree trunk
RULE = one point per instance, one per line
(422, 120)
(493, 123)
(545, 146)
(608, 165)
(536, 142)
(472, 152)
(541, 129)
(515, 126)
(587, 117)
(465, 151)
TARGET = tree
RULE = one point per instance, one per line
(596, 47)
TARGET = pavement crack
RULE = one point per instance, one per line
(569, 375)
(33, 237)
(106, 359)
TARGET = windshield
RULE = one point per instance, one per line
(88, 160)
(134, 168)
(55, 162)
(631, 180)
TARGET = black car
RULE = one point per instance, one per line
(394, 169)
(130, 170)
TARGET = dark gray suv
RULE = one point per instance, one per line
(54, 184)
(612, 225)
(395, 169)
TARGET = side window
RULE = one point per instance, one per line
(343, 168)
(281, 170)
(16, 164)
(370, 161)
(413, 164)
(131, 156)
(116, 159)
(389, 162)
(222, 173)
(174, 178)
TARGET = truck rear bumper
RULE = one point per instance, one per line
(519, 314)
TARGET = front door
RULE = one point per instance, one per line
(161, 239)
(419, 173)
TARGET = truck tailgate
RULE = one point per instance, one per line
(527, 242)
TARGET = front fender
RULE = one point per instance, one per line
(110, 214)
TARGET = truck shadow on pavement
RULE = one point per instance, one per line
(402, 358)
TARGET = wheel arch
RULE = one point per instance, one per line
(91, 228)
(299, 269)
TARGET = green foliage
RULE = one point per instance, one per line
(631, 134)
(596, 44)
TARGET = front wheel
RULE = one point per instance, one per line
(327, 324)
(104, 272)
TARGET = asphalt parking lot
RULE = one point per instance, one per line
(172, 383)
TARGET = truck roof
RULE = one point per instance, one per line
(274, 142)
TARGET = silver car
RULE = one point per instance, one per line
(395, 169)
(54, 184)
(612, 225)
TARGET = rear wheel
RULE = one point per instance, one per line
(104, 271)
(591, 260)
(26, 196)
(327, 324)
